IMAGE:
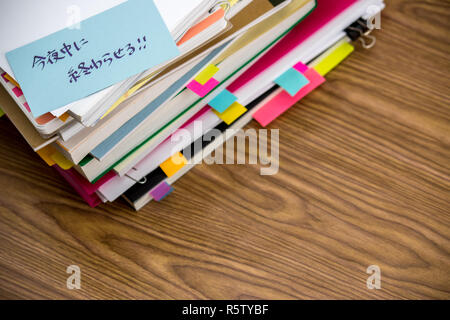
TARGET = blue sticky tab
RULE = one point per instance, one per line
(222, 101)
(292, 81)
(112, 46)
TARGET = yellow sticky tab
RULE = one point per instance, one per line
(64, 117)
(61, 161)
(14, 82)
(46, 154)
(173, 164)
(206, 74)
(1, 113)
(335, 57)
(232, 113)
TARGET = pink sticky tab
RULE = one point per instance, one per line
(300, 67)
(4, 78)
(18, 92)
(283, 101)
(27, 106)
(202, 90)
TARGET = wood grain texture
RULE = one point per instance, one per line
(364, 179)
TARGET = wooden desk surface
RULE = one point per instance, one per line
(364, 180)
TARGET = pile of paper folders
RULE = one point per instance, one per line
(102, 99)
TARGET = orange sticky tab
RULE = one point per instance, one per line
(173, 164)
(46, 154)
(61, 161)
(64, 117)
(202, 26)
(14, 82)
(45, 118)
(232, 113)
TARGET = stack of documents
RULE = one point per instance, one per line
(104, 90)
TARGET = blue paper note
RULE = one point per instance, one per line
(222, 101)
(292, 81)
(110, 47)
(103, 148)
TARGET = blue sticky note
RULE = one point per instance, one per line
(112, 46)
(292, 81)
(222, 101)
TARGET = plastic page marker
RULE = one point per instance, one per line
(61, 161)
(4, 77)
(64, 117)
(300, 67)
(17, 91)
(292, 81)
(202, 90)
(11, 79)
(46, 154)
(45, 118)
(206, 74)
(161, 191)
(232, 113)
(173, 164)
(202, 26)
(27, 107)
(334, 58)
(283, 101)
(222, 101)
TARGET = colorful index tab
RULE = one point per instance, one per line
(61, 161)
(173, 164)
(292, 81)
(46, 154)
(206, 74)
(330, 60)
(202, 90)
(232, 113)
(222, 101)
(202, 26)
(11, 79)
(161, 191)
(4, 77)
(300, 67)
(64, 117)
